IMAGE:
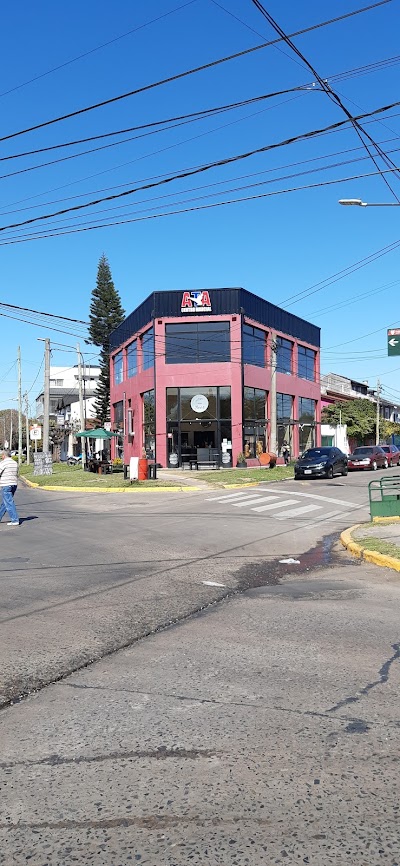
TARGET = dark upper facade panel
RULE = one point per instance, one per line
(222, 302)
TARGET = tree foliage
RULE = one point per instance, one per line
(106, 313)
(358, 414)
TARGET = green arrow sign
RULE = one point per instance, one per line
(393, 338)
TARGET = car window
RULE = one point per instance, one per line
(364, 450)
(317, 452)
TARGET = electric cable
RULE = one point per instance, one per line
(204, 168)
(97, 48)
(333, 96)
(20, 238)
(178, 76)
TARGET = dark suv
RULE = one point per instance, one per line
(321, 463)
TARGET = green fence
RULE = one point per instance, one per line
(384, 497)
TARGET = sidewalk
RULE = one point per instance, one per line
(378, 543)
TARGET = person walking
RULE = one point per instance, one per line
(8, 486)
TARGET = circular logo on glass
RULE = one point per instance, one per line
(199, 403)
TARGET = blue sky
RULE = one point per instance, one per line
(276, 246)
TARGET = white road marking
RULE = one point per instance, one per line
(290, 561)
(253, 499)
(212, 583)
(275, 504)
(316, 496)
(296, 512)
(225, 498)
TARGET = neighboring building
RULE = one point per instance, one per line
(64, 404)
(335, 435)
(195, 370)
(336, 388)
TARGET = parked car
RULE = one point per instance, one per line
(392, 454)
(368, 457)
(321, 462)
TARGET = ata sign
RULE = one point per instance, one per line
(393, 336)
(196, 302)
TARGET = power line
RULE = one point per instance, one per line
(93, 50)
(39, 325)
(212, 64)
(333, 96)
(39, 235)
(38, 312)
(201, 169)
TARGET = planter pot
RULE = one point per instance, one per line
(242, 465)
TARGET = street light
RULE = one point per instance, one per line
(359, 203)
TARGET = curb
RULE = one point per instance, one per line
(368, 555)
(55, 488)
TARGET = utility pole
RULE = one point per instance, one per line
(46, 396)
(81, 409)
(378, 407)
(19, 406)
(11, 428)
(27, 428)
(272, 397)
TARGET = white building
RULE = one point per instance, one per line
(64, 405)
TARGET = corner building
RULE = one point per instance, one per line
(217, 369)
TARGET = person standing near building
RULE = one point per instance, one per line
(8, 486)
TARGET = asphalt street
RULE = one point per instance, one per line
(86, 574)
(264, 730)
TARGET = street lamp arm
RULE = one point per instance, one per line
(359, 203)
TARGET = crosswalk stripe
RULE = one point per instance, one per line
(295, 512)
(253, 499)
(275, 504)
(313, 496)
(225, 498)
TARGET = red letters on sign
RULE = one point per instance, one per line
(205, 299)
(186, 300)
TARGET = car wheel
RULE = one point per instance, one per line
(374, 465)
(345, 470)
(385, 465)
(329, 472)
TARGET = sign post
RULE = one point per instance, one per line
(393, 341)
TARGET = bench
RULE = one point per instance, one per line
(207, 457)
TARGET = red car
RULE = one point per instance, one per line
(392, 454)
(368, 457)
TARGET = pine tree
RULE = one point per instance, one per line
(106, 313)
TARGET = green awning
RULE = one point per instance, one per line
(97, 433)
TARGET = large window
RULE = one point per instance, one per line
(253, 346)
(306, 423)
(306, 363)
(149, 423)
(254, 427)
(197, 343)
(284, 354)
(131, 359)
(148, 349)
(118, 368)
(284, 412)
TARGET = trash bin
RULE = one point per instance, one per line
(152, 471)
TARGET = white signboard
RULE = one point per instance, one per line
(199, 403)
(35, 432)
(134, 468)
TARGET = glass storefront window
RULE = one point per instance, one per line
(284, 414)
(131, 358)
(148, 349)
(197, 343)
(198, 403)
(118, 368)
(254, 428)
(253, 346)
(284, 353)
(198, 418)
(306, 423)
(172, 404)
(254, 404)
(225, 403)
(306, 363)
(149, 427)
